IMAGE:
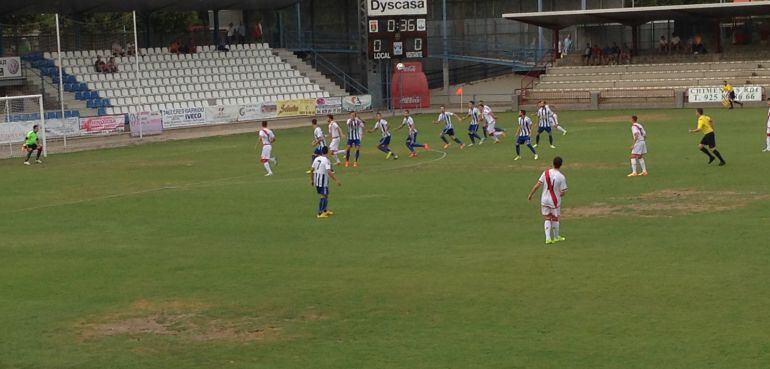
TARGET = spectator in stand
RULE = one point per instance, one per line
(256, 33)
(566, 45)
(117, 50)
(607, 55)
(587, 54)
(663, 45)
(241, 33)
(676, 42)
(697, 45)
(625, 55)
(222, 46)
(596, 55)
(184, 48)
(99, 66)
(130, 49)
(112, 66)
(231, 34)
(615, 52)
(174, 46)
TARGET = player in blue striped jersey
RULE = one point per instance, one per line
(320, 173)
(473, 128)
(545, 120)
(384, 144)
(449, 129)
(523, 134)
(319, 140)
(355, 134)
(411, 138)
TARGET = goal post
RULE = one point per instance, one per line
(18, 115)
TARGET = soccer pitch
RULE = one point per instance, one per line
(182, 255)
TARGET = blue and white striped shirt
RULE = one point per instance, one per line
(355, 129)
(525, 125)
(318, 135)
(409, 122)
(474, 114)
(544, 116)
(382, 125)
(321, 168)
(447, 118)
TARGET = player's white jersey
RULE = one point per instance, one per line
(554, 119)
(638, 132)
(334, 130)
(447, 117)
(474, 114)
(525, 125)
(487, 113)
(544, 116)
(382, 125)
(266, 136)
(768, 122)
(554, 184)
(409, 122)
(318, 136)
(355, 129)
(321, 168)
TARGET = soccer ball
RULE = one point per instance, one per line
(400, 66)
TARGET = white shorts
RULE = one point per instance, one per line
(547, 210)
(491, 127)
(334, 146)
(266, 151)
(640, 148)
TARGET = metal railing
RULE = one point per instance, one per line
(328, 68)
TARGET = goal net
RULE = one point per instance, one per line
(18, 114)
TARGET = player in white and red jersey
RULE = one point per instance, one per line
(557, 125)
(767, 148)
(490, 126)
(267, 137)
(336, 134)
(639, 148)
(554, 188)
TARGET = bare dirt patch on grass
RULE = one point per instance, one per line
(189, 320)
(625, 118)
(667, 203)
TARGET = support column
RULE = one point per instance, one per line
(2, 48)
(635, 40)
(215, 30)
(555, 43)
(718, 36)
(445, 42)
(147, 29)
(298, 10)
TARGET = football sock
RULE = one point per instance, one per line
(326, 203)
(443, 138)
(537, 139)
(358, 153)
(547, 227)
(383, 149)
(457, 140)
(643, 165)
(518, 150)
(39, 151)
(321, 205)
(633, 165)
(718, 155)
(29, 155)
(768, 142)
(409, 146)
(347, 155)
(561, 129)
(550, 139)
(485, 133)
(267, 168)
(706, 151)
(531, 148)
(555, 229)
(272, 160)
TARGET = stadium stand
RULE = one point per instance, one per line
(246, 74)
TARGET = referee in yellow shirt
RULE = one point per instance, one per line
(729, 92)
(706, 126)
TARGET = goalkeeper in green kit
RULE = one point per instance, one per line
(31, 144)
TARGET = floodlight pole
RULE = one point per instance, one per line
(61, 82)
(136, 69)
(42, 118)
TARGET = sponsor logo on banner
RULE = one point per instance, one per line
(105, 124)
(151, 123)
(221, 114)
(292, 108)
(173, 118)
(357, 103)
(328, 105)
(382, 8)
(10, 68)
(715, 94)
(259, 111)
(12, 132)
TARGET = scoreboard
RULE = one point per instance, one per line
(397, 29)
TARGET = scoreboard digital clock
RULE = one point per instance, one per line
(404, 37)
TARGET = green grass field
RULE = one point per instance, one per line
(182, 255)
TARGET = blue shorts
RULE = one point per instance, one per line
(322, 190)
(318, 150)
(352, 142)
(473, 128)
(448, 131)
(411, 138)
(522, 140)
(385, 141)
(543, 129)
